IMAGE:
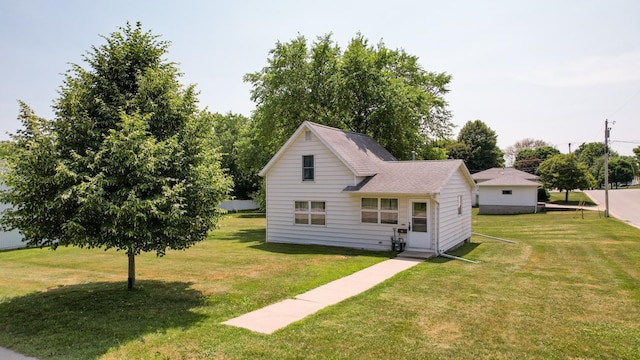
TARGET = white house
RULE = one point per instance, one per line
(10, 239)
(507, 191)
(327, 186)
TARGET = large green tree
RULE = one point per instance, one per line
(622, 169)
(477, 147)
(511, 151)
(374, 90)
(127, 163)
(588, 153)
(565, 173)
(230, 130)
(5, 149)
(530, 159)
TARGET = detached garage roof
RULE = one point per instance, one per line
(509, 181)
(493, 173)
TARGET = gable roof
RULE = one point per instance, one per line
(382, 172)
(411, 177)
(509, 181)
(493, 173)
(359, 152)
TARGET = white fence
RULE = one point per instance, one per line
(13, 239)
(10, 239)
(239, 205)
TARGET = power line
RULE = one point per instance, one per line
(626, 103)
(625, 142)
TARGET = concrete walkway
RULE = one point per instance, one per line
(6, 354)
(277, 316)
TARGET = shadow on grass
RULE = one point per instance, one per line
(298, 249)
(84, 321)
(250, 215)
(465, 249)
(572, 202)
(242, 236)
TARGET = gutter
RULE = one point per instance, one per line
(495, 238)
(437, 231)
(457, 258)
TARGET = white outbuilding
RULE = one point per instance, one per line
(507, 191)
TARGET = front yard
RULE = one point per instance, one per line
(568, 289)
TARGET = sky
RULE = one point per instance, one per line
(550, 70)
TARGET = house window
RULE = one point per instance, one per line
(506, 192)
(459, 204)
(307, 136)
(379, 211)
(369, 211)
(310, 212)
(307, 168)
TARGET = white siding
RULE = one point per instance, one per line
(10, 239)
(454, 227)
(343, 226)
(239, 205)
(520, 195)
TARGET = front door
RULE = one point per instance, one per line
(419, 225)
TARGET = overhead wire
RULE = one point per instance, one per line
(626, 103)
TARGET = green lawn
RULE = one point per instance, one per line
(575, 198)
(568, 289)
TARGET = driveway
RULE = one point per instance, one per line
(624, 204)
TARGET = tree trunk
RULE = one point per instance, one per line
(566, 196)
(132, 270)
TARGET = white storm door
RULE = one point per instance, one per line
(419, 237)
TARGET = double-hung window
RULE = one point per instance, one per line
(310, 212)
(379, 210)
(308, 170)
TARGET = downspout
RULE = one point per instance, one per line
(437, 231)
(266, 209)
(447, 256)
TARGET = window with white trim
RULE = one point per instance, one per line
(507, 192)
(379, 211)
(310, 212)
(308, 170)
(459, 204)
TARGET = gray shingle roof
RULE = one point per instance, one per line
(508, 181)
(500, 172)
(409, 177)
(358, 151)
(384, 174)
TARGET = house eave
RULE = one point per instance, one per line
(305, 125)
(391, 192)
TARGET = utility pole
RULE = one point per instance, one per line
(606, 167)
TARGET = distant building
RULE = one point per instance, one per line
(506, 191)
